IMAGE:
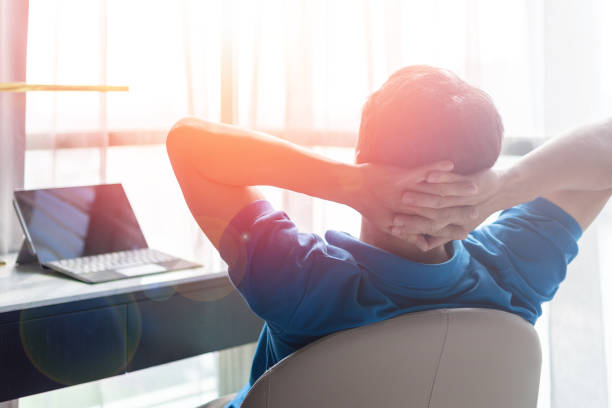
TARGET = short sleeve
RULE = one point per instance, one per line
(527, 250)
(293, 280)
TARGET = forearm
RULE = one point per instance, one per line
(238, 157)
(578, 161)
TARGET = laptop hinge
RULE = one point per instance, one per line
(26, 255)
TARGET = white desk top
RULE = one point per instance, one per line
(26, 287)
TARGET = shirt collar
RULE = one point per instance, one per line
(400, 272)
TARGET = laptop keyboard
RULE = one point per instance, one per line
(112, 261)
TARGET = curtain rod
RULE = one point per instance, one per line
(23, 87)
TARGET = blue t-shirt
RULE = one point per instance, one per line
(305, 288)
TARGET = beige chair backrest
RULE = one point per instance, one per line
(472, 358)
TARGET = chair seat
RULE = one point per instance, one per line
(476, 358)
(220, 402)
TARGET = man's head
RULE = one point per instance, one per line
(420, 116)
(424, 114)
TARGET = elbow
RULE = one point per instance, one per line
(176, 140)
(606, 148)
(189, 142)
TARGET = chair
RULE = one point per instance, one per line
(473, 358)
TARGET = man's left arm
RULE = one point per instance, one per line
(217, 166)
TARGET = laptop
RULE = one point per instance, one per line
(89, 233)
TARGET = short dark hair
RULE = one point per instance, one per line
(424, 114)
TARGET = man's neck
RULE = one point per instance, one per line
(380, 239)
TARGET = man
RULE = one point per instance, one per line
(422, 181)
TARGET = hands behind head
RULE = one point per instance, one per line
(427, 206)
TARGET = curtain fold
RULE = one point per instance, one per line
(577, 348)
(13, 39)
(571, 94)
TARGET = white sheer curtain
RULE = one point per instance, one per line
(302, 69)
(13, 36)
(297, 66)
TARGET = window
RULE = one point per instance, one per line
(300, 69)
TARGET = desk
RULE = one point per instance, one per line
(56, 331)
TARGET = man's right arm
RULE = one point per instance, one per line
(574, 171)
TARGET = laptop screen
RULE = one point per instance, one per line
(79, 221)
